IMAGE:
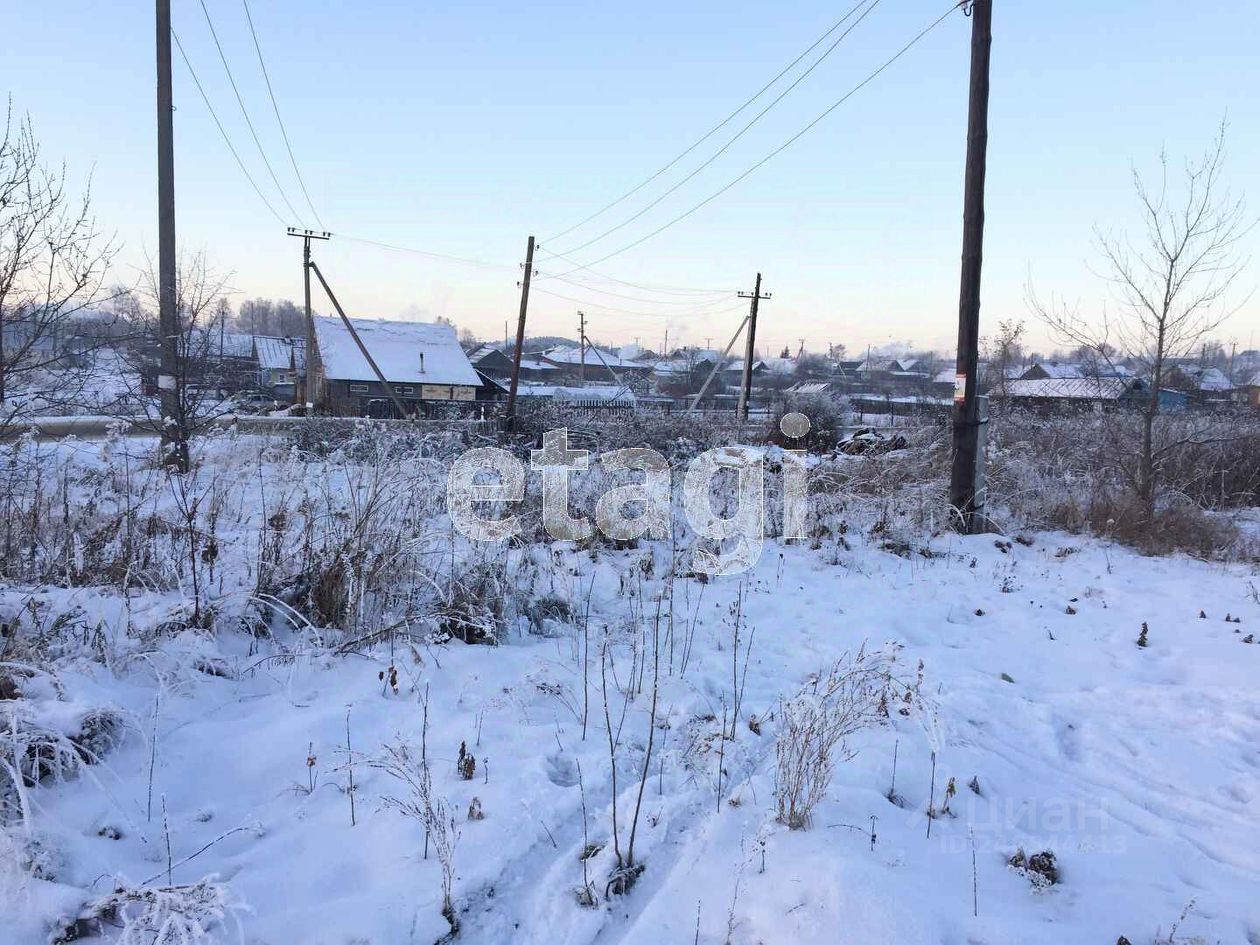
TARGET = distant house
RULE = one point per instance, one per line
(1052, 370)
(1072, 392)
(733, 373)
(1205, 385)
(491, 361)
(595, 363)
(1247, 394)
(280, 362)
(423, 363)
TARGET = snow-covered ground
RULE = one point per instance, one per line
(1138, 767)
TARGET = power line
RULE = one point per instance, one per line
(219, 125)
(424, 252)
(619, 295)
(781, 148)
(663, 289)
(280, 121)
(703, 310)
(739, 134)
(715, 129)
(241, 102)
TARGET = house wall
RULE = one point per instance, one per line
(345, 398)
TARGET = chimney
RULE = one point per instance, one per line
(421, 362)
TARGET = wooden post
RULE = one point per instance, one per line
(174, 433)
(962, 484)
(509, 417)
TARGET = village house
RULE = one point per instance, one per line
(1081, 393)
(422, 362)
(280, 362)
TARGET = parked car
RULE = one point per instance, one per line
(256, 402)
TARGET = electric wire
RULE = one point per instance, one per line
(705, 310)
(280, 121)
(739, 134)
(662, 289)
(780, 149)
(241, 102)
(218, 124)
(630, 298)
(424, 252)
(715, 129)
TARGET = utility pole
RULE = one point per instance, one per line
(581, 349)
(401, 407)
(174, 433)
(745, 394)
(308, 392)
(962, 482)
(509, 416)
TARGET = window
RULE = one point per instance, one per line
(358, 388)
(408, 390)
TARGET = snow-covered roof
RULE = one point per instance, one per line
(1071, 388)
(780, 366)
(1211, 378)
(567, 355)
(536, 364)
(276, 354)
(1058, 369)
(481, 352)
(738, 365)
(810, 387)
(408, 352)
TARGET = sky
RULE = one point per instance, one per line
(461, 129)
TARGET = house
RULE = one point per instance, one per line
(281, 361)
(1247, 394)
(591, 363)
(491, 361)
(423, 363)
(1072, 392)
(1207, 386)
(1052, 370)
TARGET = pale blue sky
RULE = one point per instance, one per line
(463, 128)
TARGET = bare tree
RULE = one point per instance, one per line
(52, 266)
(203, 364)
(1171, 284)
(1005, 351)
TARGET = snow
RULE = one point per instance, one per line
(1138, 767)
(406, 352)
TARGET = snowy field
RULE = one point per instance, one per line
(1014, 702)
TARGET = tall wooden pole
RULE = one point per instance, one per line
(308, 380)
(581, 349)
(174, 436)
(509, 416)
(962, 483)
(745, 391)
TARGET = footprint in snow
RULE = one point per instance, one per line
(561, 770)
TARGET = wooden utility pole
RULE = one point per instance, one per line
(403, 412)
(962, 482)
(509, 416)
(174, 433)
(308, 393)
(581, 349)
(745, 392)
